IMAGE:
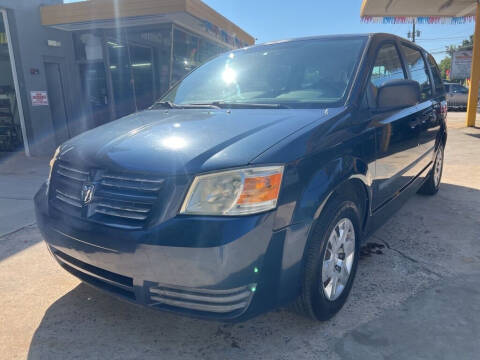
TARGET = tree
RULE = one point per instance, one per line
(445, 65)
(467, 44)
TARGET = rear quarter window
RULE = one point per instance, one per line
(437, 78)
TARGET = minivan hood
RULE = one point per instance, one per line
(186, 141)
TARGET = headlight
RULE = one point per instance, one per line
(234, 192)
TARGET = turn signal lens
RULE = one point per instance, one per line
(260, 189)
(234, 192)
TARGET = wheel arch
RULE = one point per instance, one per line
(342, 175)
(357, 187)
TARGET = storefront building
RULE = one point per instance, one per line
(96, 61)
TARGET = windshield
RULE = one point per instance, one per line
(307, 73)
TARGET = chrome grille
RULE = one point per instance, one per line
(71, 173)
(122, 182)
(69, 199)
(124, 200)
(202, 300)
(66, 188)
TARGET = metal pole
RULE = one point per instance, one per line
(474, 73)
(13, 65)
(413, 32)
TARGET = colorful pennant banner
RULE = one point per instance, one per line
(418, 20)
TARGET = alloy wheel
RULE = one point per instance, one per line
(338, 259)
(437, 170)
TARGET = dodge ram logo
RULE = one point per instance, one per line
(87, 193)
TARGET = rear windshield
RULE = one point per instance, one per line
(309, 73)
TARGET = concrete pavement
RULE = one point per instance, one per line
(418, 299)
(20, 178)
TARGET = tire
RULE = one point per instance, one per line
(314, 300)
(434, 177)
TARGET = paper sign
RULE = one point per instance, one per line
(39, 98)
(461, 65)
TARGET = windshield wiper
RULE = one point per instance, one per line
(220, 105)
(171, 105)
(242, 105)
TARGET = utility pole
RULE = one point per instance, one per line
(474, 72)
(414, 33)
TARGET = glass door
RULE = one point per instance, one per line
(122, 81)
(94, 83)
(141, 58)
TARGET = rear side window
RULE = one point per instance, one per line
(437, 78)
(418, 71)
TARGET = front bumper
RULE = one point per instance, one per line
(215, 267)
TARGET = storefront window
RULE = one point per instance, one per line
(185, 54)
(141, 59)
(88, 46)
(189, 52)
(122, 82)
(139, 67)
(153, 45)
(137, 64)
(94, 83)
(209, 49)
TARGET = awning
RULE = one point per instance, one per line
(108, 13)
(422, 11)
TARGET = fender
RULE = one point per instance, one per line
(322, 183)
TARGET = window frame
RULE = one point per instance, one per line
(427, 67)
(379, 46)
(432, 80)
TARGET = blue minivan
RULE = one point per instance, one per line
(254, 181)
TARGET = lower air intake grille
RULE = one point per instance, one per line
(107, 280)
(202, 300)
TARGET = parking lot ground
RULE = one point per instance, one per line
(418, 298)
(20, 177)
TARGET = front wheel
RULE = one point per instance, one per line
(331, 261)
(434, 177)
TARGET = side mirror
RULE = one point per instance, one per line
(398, 94)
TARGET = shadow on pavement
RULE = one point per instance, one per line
(19, 240)
(475, 135)
(446, 326)
(87, 323)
